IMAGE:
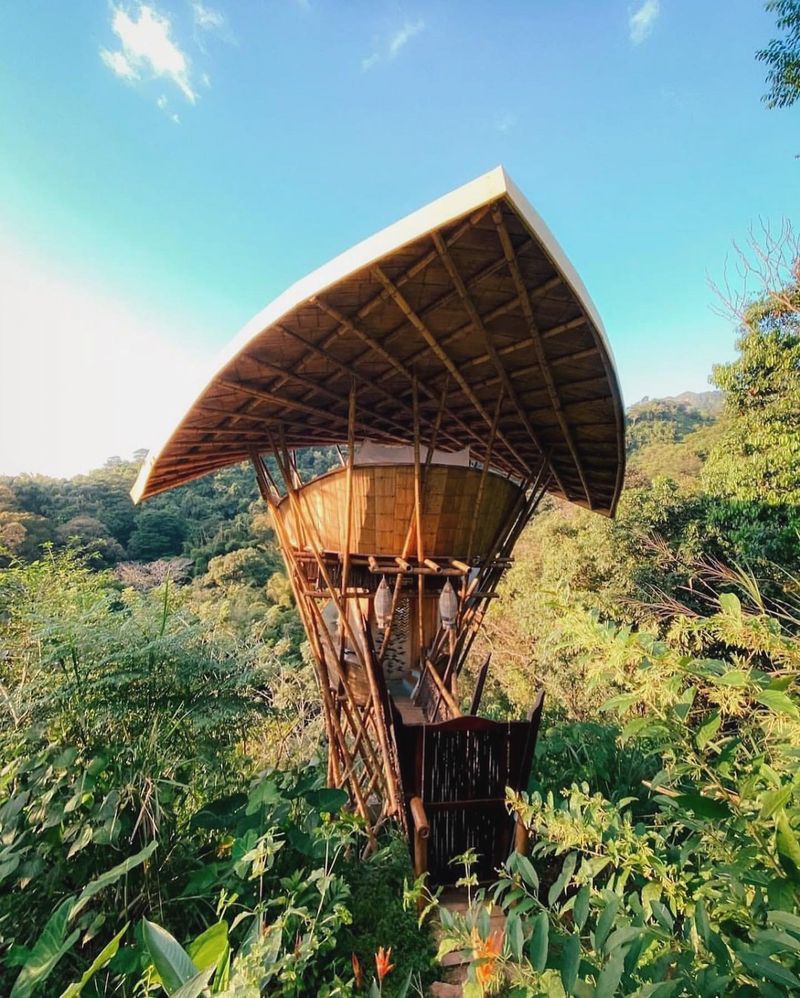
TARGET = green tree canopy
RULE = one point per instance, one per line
(757, 458)
(782, 55)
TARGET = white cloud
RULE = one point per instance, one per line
(163, 105)
(394, 44)
(207, 18)
(147, 47)
(369, 62)
(642, 20)
(404, 36)
(112, 378)
(507, 122)
(118, 64)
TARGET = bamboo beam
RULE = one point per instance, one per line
(528, 341)
(317, 629)
(484, 473)
(443, 691)
(318, 388)
(522, 372)
(533, 328)
(287, 403)
(478, 694)
(499, 310)
(480, 328)
(407, 543)
(440, 354)
(351, 456)
(418, 523)
(351, 371)
(492, 569)
(264, 484)
(356, 646)
(416, 268)
(398, 365)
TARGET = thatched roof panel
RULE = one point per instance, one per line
(471, 296)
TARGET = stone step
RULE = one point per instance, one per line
(454, 965)
(441, 989)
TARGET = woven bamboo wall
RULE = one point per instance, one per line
(383, 507)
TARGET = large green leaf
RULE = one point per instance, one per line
(570, 961)
(773, 800)
(327, 799)
(707, 730)
(786, 920)
(266, 792)
(563, 878)
(701, 921)
(731, 605)
(764, 966)
(606, 921)
(610, 976)
(173, 963)
(788, 847)
(47, 951)
(209, 947)
(703, 807)
(196, 985)
(623, 936)
(514, 934)
(106, 954)
(82, 839)
(112, 876)
(537, 947)
(222, 813)
(581, 909)
(778, 702)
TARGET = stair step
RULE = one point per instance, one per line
(441, 989)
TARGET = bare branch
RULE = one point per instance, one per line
(767, 268)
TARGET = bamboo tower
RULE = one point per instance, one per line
(459, 365)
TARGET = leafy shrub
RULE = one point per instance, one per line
(701, 896)
(587, 752)
(134, 812)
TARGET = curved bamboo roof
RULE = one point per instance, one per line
(472, 297)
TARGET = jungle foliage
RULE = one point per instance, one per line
(147, 840)
(164, 825)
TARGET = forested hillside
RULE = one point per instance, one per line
(164, 826)
(221, 513)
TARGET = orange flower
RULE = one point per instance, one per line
(382, 965)
(358, 973)
(487, 952)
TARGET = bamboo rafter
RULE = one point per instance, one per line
(442, 356)
(533, 327)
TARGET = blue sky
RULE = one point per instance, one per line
(168, 168)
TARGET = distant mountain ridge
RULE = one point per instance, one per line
(671, 435)
(707, 403)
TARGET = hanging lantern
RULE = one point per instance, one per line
(448, 606)
(383, 604)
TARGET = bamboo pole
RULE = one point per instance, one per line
(409, 533)
(315, 549)
(351, 453)
(444, 693)
(264, 479)
(418, 522)
(484, 473)
(325, 685)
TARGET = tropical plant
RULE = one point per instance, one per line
(698, 892)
